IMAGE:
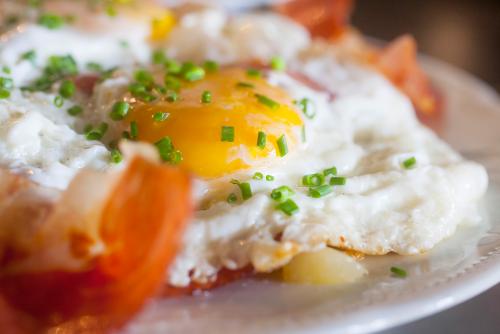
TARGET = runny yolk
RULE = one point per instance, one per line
(195, 127)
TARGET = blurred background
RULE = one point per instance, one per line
(465, 33)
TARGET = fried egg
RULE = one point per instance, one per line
(280, 167)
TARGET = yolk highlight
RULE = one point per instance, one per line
(195, 127)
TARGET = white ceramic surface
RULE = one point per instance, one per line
(456, 270)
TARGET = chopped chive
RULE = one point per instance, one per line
(116, 156)
(75, 110)
(158, 57)
(6, 70)
(206, 97)
(269, 178)
(303, 134)
(124, 44)
(282, 193)
(227, 134)
(134, 130)
(399, 272)
(29, 56)
(320, 191)
(210, 66)
(172, 96)
(144, 77)
(261, 140)
(165, 148)
(231, 198)
(307, 107)
(191, 72)
(96, 134)
(267, 101)
(160, 116)
(242, 84)
(278, 64)
(175, 157)
(313, 180)
(4, 94)
(172, 66)
(410, 163)
(6, 83)
(67, 89)
(119, 111)
(330, 171)
(172, 82)
(246, 190)
(338, 181)
(254, 73)
(258, 176)
(289, 207)
(58, 101)
(282, 146)
(51, 21)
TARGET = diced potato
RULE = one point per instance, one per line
(325, 267)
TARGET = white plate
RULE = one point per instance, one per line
(456, 270)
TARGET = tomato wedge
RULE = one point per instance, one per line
(141, 226)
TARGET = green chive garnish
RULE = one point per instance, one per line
(67, 89)
(278, 64)
(282, 193)
(116, 156)
(254, 73)
(242, 84)
(338, 181)
(227, 134)
(410, 163)
(210, 66)
(173, 66)
(191, 72)
(313, 180)
(232, 198)
(320, 191)
(246, 190)
(282, 146)
(6, 83)
(119, 111)
(267, 101)
(6, 70)
(330, 171)
(258, 176)
(29, 56)
(206, 97)
(4, 94)
(172, 82)
(303, 134)
(269, 178)
(261, 140)
(58, 101)
(160, 116)
(158, 57)
(399, 272)
(75, 110)
(134, 130)
(96, 134)
(289, 207)
(51, 21)
(172, 96)
(307, 107)
(144, 77)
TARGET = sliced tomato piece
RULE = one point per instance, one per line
(141, 226)
(398, 62)
(323, 18)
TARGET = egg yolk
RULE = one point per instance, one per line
(196, 126)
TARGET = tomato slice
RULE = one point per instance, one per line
(141, 226)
